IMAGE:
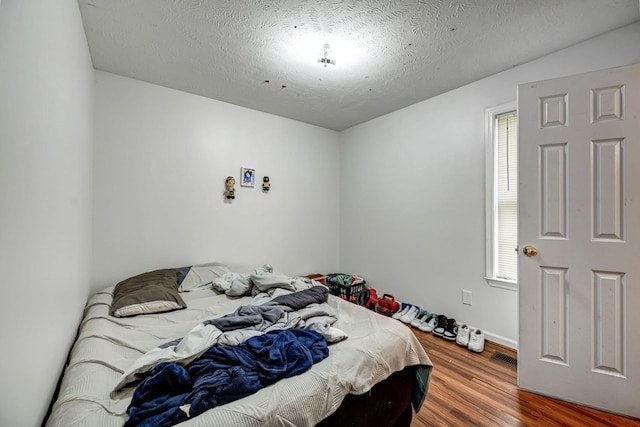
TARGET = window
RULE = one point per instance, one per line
(502, 196)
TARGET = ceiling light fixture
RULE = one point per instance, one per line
(324, 59)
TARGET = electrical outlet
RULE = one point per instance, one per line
(467, 297)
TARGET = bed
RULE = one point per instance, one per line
(375, 371)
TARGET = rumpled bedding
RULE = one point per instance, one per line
(235, 328)
(265, 279)
(172, 393)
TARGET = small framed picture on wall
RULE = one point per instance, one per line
(248, 177)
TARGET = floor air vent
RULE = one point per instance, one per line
(504, 358)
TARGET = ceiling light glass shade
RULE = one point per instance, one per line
(308, 49)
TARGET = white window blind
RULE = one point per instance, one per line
(506, 227)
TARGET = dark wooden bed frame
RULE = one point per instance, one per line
(387, 404)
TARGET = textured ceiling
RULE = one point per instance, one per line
(262, 54)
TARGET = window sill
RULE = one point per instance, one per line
(502, 284)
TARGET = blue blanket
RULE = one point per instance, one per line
(222, 375)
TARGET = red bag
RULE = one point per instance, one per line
(372, 300)
(387, 305)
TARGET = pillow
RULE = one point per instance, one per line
(152, 292)
(200, 276)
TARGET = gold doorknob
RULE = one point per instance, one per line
(530, 250)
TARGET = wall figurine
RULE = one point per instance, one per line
(230, 191)
(266, 185)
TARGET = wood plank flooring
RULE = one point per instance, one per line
(471, 389)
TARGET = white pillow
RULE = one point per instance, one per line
(150, 307)
(201, 276)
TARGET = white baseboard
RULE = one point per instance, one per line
(499, 339)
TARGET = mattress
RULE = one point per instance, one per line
(106, 346)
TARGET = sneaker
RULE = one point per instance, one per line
(463, 335)
(440, 325)
(429, 324)
(476, 341)
(421, 317)
(410, 315)
(451, 330)
(405, 308)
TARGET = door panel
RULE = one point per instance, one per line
(607, 186)
(553, 319)
(608, 323)
(553, 188)
(579, 163)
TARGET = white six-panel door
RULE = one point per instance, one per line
(579, 206)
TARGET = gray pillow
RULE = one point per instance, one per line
(152, 292)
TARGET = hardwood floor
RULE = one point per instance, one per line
(471, 389)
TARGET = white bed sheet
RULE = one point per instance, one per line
(377, 346)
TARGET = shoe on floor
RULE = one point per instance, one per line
(421, 317)
(441, 324)
(476, 341)
(405, 308)
(451, 330)
(463, 335)
(429, 323)
(410, 315)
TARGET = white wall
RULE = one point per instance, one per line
(412, 190)
(161, 159)
(46, 102)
